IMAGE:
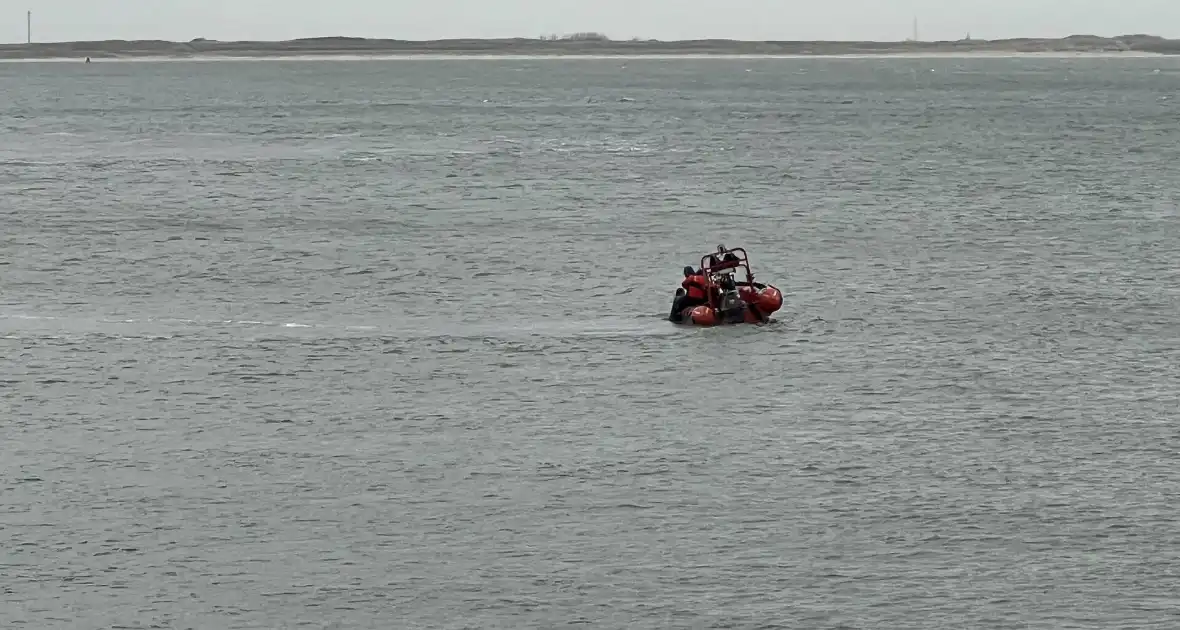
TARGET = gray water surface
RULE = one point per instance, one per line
(345, 344)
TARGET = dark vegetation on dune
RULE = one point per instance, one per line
(576, 44)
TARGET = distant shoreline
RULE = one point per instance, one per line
(584, 45)
(587, 57)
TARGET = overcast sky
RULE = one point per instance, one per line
(63, 20)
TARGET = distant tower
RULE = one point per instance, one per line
(29, 26)
(916, 28)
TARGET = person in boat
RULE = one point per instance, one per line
(694, 288)
(692, 292)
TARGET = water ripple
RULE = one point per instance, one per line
(379, 344)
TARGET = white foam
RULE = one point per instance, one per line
(35, 317)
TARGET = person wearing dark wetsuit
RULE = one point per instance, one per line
(692, 293)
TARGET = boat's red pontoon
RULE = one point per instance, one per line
(730, 300)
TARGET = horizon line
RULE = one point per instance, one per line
(592, 38)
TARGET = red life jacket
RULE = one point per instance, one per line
(694, 286)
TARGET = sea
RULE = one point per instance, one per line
(382, 344)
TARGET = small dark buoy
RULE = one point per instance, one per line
(88, 60)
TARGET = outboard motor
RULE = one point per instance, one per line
(730, 300)
(732, 307)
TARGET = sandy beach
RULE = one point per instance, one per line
(586, 46)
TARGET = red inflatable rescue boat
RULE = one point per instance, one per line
(727, 300)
